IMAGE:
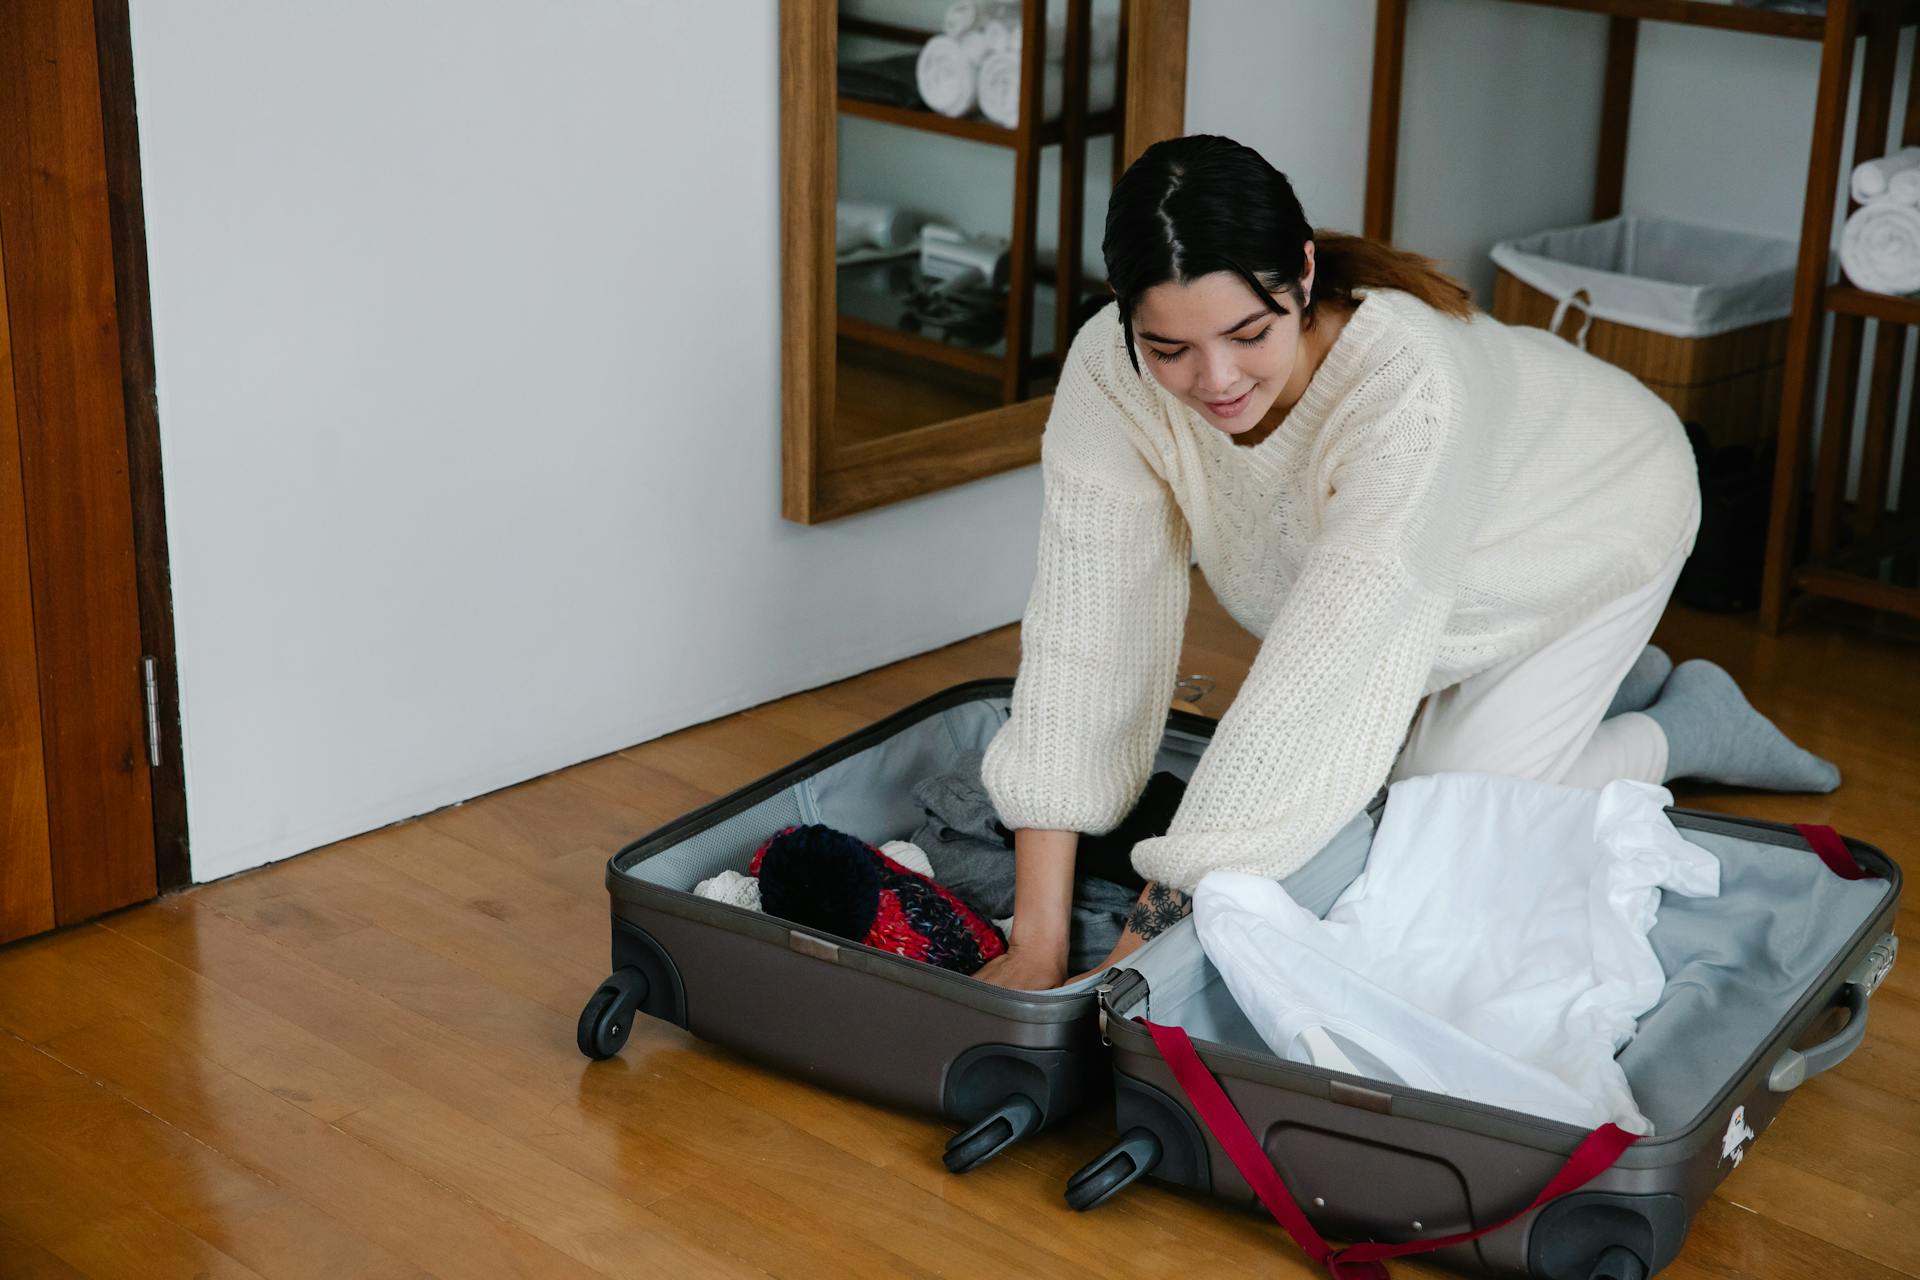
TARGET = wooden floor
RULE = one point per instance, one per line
(360, 1062)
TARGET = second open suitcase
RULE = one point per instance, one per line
(1767, 985)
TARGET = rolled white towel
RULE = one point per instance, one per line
(909, 855)
(732, 888)
(1880, 247)
(1873, 179)
(974, 45)
(946, 77)
(741, 890)
(1001, 37)
(962, 16)
(1904, 186)
(1000, 89)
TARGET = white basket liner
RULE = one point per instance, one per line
(1676, 278)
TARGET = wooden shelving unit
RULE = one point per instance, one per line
(1855, 572)
(1050, 134)
(1847, 300)
(1837, 566)
(1017, 366)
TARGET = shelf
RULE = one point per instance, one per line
(884, 30)
(1701, 13)
(952, 354)
(1880, 570)
(1853, 301)
(1888, 597)
(931, 122)
(972, 128)
(868, 301)
(1732, 17)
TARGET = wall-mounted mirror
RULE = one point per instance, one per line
(944, 172)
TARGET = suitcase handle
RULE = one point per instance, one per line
(1596, 1154)
(1796, 1066)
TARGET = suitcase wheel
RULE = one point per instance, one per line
(1122, 1163)
(608, 1017)
(1618, 1263)
(1011, 1121)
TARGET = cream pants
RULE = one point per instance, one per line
(1538, 715)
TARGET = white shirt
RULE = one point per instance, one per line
(1494, 949)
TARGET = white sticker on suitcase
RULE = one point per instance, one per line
(1738, 1135)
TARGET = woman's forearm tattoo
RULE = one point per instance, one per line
(1158, 910)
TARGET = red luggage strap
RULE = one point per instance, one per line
(1596, 1153)
(1833, 851)
(1594, 1156)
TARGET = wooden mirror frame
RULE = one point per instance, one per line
(823, 479)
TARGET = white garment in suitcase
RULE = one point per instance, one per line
(1495, 948)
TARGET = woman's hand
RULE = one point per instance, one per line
(1025, 969)
(1045, 967)
(1036, 955)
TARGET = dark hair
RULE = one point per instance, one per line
(1189, 207)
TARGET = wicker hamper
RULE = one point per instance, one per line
(1699, 314)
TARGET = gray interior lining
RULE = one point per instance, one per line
(1736, 965)
(869, 794)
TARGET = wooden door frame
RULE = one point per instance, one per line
(127, 214)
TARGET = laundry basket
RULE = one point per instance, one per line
(1699, 314)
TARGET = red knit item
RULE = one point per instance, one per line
(825, 878)
(984, 933)
(892, 931)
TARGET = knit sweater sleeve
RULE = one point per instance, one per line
(1314, 731)
(1101, 634)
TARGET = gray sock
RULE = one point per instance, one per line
(1715, 735)
(1642, 683)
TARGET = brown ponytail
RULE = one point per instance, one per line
(1343, 263)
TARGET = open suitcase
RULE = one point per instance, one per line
(1757, 980)
(1003, 1063)
(1373, 1162)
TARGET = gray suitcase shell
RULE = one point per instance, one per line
(1004, 1063)
(1371, 1161)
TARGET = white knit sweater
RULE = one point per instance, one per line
(1445, 495)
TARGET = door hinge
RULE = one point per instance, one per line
(151, 682)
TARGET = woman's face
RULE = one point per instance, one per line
(1217, 346)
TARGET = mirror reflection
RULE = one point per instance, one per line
(956, 125)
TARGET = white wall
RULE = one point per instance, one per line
(1500, 119)
(466, 321)
(1293, 79)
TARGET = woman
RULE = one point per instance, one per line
(1454, 538)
